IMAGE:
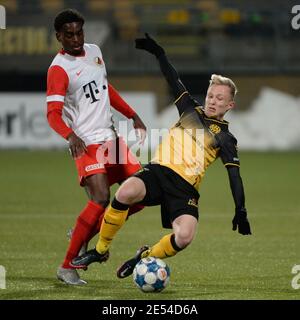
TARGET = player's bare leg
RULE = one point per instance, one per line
(98, 191)
(131, 191)
(184, 228)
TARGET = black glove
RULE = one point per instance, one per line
(240, 220)
(149, 45)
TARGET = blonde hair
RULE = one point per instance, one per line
(218, 79)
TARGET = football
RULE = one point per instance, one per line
(151, 275)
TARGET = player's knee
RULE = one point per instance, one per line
(101, 202)
(127, 195)
(101, 198)
(184, 237)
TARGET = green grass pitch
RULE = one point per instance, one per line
(40, 200)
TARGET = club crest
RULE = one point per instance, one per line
(98, 61)
(214, 128)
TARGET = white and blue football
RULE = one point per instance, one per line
(151, 274)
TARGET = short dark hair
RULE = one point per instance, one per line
(67, 16)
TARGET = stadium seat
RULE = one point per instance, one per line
(96, 6)
(180, 16)
(230, 16)
(50, 6)
(10, 5)
(126, 20)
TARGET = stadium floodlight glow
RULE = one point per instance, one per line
(2, 17)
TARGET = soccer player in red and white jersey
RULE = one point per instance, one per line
(79, 99)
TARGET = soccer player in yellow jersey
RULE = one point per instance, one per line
(173, 177)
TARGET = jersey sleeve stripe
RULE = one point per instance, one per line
(180, 97)
(55, 97)
(231, 164)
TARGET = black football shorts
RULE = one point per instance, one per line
(166, 188)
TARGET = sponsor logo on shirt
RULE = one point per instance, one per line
(94, 167)
(193, 202)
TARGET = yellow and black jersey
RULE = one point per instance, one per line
(196, 141)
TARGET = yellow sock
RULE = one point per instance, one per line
(162, 249)
(113, 220)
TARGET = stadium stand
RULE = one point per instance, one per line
(10, 5)
(198, 34)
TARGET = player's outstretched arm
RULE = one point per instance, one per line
(170, 73)
(240, 220)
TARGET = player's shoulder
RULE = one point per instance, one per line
(57, 60)
(230, 137)
(92, 48)
(222, 133)
(188, 103)
(60, 60)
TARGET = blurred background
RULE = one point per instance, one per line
(253, 42)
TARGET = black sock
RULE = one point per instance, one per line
(173, 243)
(118, 205)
